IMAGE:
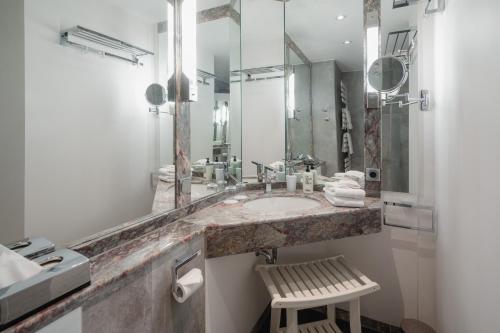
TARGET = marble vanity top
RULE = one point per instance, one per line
(228, 229)
(234, 228)
(112, 270)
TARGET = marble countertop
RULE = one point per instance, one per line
(228, 229)
(234, 229)
(113, 269)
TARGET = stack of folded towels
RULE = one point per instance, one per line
(346, 190)
(167, 173)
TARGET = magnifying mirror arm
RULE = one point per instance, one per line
(424, 100)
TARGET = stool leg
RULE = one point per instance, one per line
(355, 316)
(330, 312)
(275, 320)
(292, 323)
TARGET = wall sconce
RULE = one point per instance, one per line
(291, 96)
(189, 49)
(372, 51)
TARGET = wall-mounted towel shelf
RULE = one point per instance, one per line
(204, 76)
(259, 74)
(96, 42)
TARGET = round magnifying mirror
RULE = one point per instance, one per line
(156, 94)
(387, 74)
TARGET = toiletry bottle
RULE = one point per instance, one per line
(209, 170)
(308, 181)
(291, 181)
(234, 165)
(315, 174)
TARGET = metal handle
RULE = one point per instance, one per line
(180, 263)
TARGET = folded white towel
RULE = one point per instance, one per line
(167, 179)
(346, 120)
(14, 267)
(344, 183)
(357, 176)
(347, 146)
(346, 193)
(200, 162)
(354, 173)
(166, 171)
(340, 202)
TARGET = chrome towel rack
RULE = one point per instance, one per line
(93, 41)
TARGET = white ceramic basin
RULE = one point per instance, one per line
(281, 204)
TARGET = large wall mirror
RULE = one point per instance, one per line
(216, 115)
(397, 71)
(303, 85)
(98, 128)
(324, 85)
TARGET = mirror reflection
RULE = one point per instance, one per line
(216, 115)
(94, 146)
(398, 79)
(263, 99)
(324, 86)
(388, 74)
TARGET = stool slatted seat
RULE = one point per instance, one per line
(312, 284)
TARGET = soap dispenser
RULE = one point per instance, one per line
(209, 170)
(234, 166)
(308, 181)
(315, 174)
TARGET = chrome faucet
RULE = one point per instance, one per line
(260, 175)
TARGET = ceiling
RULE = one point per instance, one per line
(311, 24)
(322, 38)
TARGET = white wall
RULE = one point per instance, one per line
(263, 114)
(11, 120)
(395, 258)
(263, 123)
(466, 76)
(89, 135)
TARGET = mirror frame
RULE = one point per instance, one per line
(373, 110)
(398, 85)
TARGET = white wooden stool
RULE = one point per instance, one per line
(313, 284)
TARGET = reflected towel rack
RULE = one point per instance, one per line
(259, 74)
(93, 41)
(204, 76)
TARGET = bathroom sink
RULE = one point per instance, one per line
(281, 204)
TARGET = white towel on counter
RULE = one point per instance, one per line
(14, 267)
(344, 202)
(167, 179)
(346, 193)
(343, 183)
(357, 176)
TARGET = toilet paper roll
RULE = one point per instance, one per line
(188, 284)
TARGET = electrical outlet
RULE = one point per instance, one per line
(372, 174)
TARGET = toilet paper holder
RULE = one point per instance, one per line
(179, 263)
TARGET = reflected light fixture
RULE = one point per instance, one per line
(291, 96)
(372, 50)
(347, 42)
(189, 47)
(340, 17)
